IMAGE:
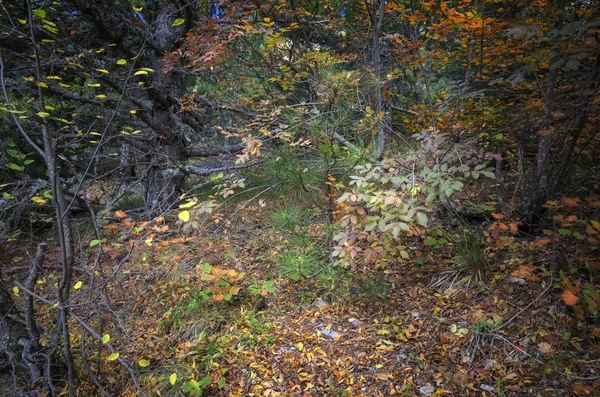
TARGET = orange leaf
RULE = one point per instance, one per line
(264, 292)
(571, 201)
(514, 227)
(569, 298)
(219, 297)
(120, 214)
(498, 216)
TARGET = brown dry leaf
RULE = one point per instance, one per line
(545, 347)
(569, 298)
(120, 214)
(581, 389)
(525, 272)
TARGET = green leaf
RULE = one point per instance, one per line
(173, 378)
(206, 381)
(564, 232)
(422, 219)
(14, 166)
(419, 261)
(184, 215)
(13, 153)
(144, 363)
(93, 243)
(105, 339)
(40, 13)
(122, 62)
(43, 114)
(217, 177)
(178, 21)
(113, 357)
(206, 268)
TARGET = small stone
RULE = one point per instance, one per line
(486, 387)
(427, 390)
(320, 303)
(355, 322)
(329, 333)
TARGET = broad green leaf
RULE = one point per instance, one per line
(93, 243)
(421, 219)
(105, 339)
(113, 357)
(14, 166)
(184, 215)
(40, 13)
(173, 378)
(205, 382)
(144, 363)
(78, 285)
(121, 62)
(178, 21)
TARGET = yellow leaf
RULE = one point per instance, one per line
(300, 346)
(95, 85)
(64, 85)
(132, 111)
(144, 363)
(140, 72)
(28, 78)
(189, 204)
(113, 357)
(16, 290)
(42, 84)
(105, 339)
(173, 378)
(77, 285)
(121, 62)
(101, 96)
(43, 114)
(184, 215)
(48, 107)
(53, 78)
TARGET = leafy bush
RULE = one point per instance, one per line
(396, 197)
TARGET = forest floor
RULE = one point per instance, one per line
(381, 332)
